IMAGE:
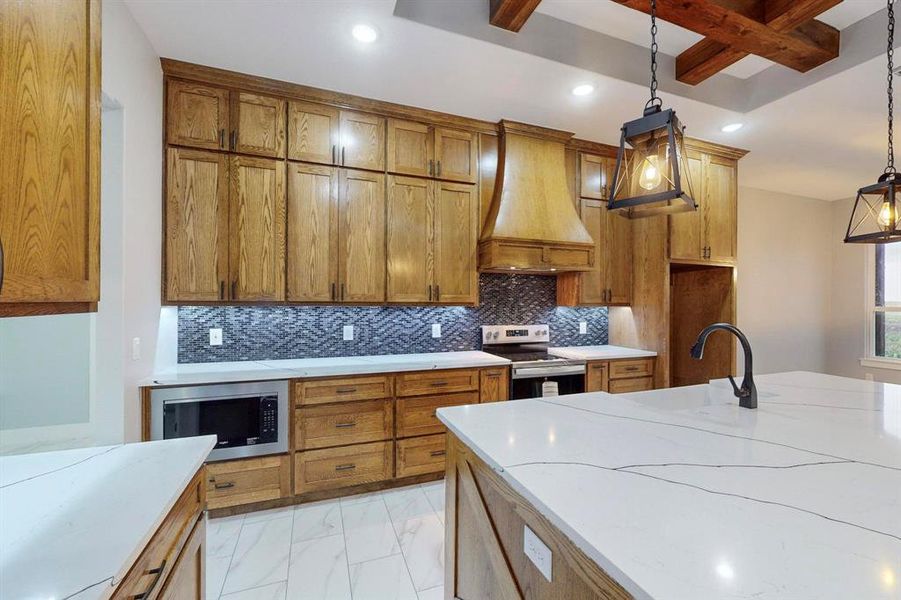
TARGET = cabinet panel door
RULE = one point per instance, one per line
(685, 228)
(312, 233)
(186, 581)
(313, 132)
(455, 155)
(260, 124)
(410, 243)
(619, 258)
(593, 175)
(361, 236)
(196, 115)
(362, 141)
(456, 243)
(596, 376)
(196, 225)
(410, 150)
(50, 169)
(494, 385)
(720, 210)
(257, 229)
(593, 283)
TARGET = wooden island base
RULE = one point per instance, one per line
(485, 521)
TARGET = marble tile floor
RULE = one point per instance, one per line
(381, 546)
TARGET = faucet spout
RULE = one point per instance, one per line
(747, 393)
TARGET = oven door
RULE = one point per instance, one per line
(530, 382)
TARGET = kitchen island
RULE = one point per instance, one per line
(679, 493)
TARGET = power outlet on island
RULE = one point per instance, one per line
(348, 333)
(583, 327)
(538, 552)
(215, 337)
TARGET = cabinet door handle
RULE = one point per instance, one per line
(342, 155)
(439, 383)
(334, 154)
(345, 425)
(159, 573)
(333, 292)
(631, 368)
(598, 367)
(234, 289)
(437, 293)
(438, 453)
(222, 138)
(224, 486)
(1, 265)
(348, 467)
(222, 290)
(431, 168)
(342, 291)
(430, 293)
(346, 390)
(438, 169)
(234, 139)
(493, 375)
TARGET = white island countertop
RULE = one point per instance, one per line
(605, 352)
(224, 372)
(73, 522)
(680, 494)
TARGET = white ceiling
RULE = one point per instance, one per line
(824, 141)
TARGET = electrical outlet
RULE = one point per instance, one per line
(136, 348)
(538, 552)
(436, 330)
(348, 333)
(215, 337)
(583, 327)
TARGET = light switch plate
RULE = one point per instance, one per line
(136, 348)
(538, 552)
(436, 330)
(348, 333)
(215, 337)
(583, 327)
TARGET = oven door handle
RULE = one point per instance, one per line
(533, 372)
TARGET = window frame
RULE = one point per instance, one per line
(872, 359)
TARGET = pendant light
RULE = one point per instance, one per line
(652, 177)
(874, 219)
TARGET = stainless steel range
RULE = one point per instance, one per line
(534, 372)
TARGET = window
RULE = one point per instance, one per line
(887, 338)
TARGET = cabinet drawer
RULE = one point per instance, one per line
(234, 482)
(341, 467)
(324, 391)
(639, 384)
(158, 559)
(416, 416)
(640, 367)
(421, 455)
(342, 424)
(437, 382)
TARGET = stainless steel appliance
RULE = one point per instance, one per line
(249, 419)
(534, 372)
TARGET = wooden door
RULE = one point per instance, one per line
(362, 141)
(618, 251)
(410, 148)
(257, 229)
(685, 228)
(197, 115)
(312, 261)
(720, 210)
(259, 123)
(456, 243)
(361, 236)
(593, 173)
(196, 225)
(313, 132)
(410, 239)
(186, 580)
(455, 155)
(596, 376)
(50, 169)
(593, 284)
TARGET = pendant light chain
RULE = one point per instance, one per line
(654, 99)
(890, 52)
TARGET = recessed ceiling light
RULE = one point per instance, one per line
(365, 33)
(732, 127)
(583, 89)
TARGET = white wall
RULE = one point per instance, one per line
(784, 279)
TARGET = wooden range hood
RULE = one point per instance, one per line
(532, 224)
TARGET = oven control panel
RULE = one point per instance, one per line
(515, 334)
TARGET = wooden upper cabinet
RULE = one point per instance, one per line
(410, 148)
(619, 259)
(719, 215)
(50, 170)
(456, 154)
(456, 243)
(685, 228)
(197, 115)
(196, 225)
(362, 141)
(257, 229)
(361, 236)
(594, 173)
(410, 239)
(312, 261)
(259, 124)
(594, 282)
(313, 132)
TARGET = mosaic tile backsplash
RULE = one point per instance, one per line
(268, 333)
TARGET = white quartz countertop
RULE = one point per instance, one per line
(605, 352)
(72, 522)
(682, 494)
(224, 372)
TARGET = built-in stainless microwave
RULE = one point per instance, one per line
(248, 419)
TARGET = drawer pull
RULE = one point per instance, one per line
(349, 467)
(224, 486)
(346, 390)
(345, 425)
(439, 383)
(493, 375)
(632, 368)
(438, 453)
(599, 367)
(159, 573)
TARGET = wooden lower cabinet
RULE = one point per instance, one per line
(596, 377)
(343, 389)
(187, 581)
(332, 468)
(620, 376)
(343, 424)
(638, 384)
(421, 455)
(494, 385)
(249, 480)
(417, 415)
(433, 382)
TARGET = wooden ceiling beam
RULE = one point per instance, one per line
(732, 30)
(512, 14)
